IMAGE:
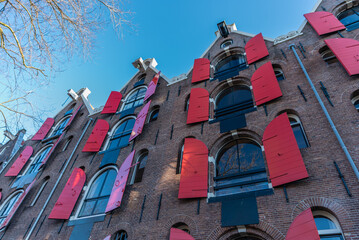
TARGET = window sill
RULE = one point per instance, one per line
(94, 218)
(49, 139)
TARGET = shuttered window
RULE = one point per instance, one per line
(45, 128)
(152, 86)
(230, 67)
(74, 114)
(98, 135)
(256, 49)
(37, 162)
(140, 121)
(198, 108)
(201, 70)
(265, 84)
(112, 103)
(350, 18)
(324, 22)
(20, 162)
(178, 234)
(69, 195)
(285, 163)
(135, 98)
(303, 227)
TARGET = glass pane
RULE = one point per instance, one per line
(299, 136)
(87, 208)
(129, 125)
(120, 128)
(96, 186)
(332, 237)
(356, 104)
(229, 62)
(228, 162)
(9, 205)
(154, 116)
(110, 179)
(101, 205)
(138, 103)
(250, 156)
(232, 96)
(114, 143)
(324, 223)
(143, 160)
(124, 140)
(132, 96)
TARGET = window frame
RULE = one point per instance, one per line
(115, 236)
(352, 23)
(328, 60)
(222, 46)
(354, 100)
(33, 159)
(17, 194)
(151, 114)
(37, 196)
(86, 190)
(298, 122)
(137, 167)
(329, 232)
(277, 68)
(57, 126)
(125, 101)
(237, 68)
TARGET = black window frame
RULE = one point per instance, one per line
(352, 25)
(222, 73)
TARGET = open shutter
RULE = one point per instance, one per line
(194, 172)
(347, 51)
(303, 227)
(201, 70)
(178, 234)
(140, 121)
(152, 86)
(112, 103)
(285, 163)
(256, 49)
(119, 186)
(20, 162)
(324, 22)
(69, 195)
(73, 117)
(16, 206)
(107, 238)
(98, 135)
(45, 128)
(265, 84)
(198, 108)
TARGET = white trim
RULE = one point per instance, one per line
(137, 166)
(11, 196)
(129, 94)
(88, 186)
(32, 159)
(58, 124)
(3, 150)
(67, 143)
(39, 192)
(325, 214)
(354, 99)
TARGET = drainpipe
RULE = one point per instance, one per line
(347, 154)
(57, 181)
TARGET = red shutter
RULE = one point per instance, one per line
(324, 22)
(303, 227)
(98, 135)
(52, 149)
(73, 116)
(120, 184)
(178, 234)
(140, 121)
(256, 49)
(265, 84)
(16, 206)
(201, 70)
(20, 162)
(198, 108)
(112, 103)
(285, 163)
(69, 195)
(152, 86)
(347, 51)
(46, 126)
(194, 172)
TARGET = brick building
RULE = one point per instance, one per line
(240, 147)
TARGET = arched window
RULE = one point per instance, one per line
(120, 235)
(186, 103)
(46, 180)
(140, 167)
(98, 193)
(327, 55)
(67, 143)
(37, 161)
(182, 226)
(121, 134)
(278, 72)
(327, 225)
(233, 99)
(355, 100)
(8, 204)
(350, 18)
(230, 66)
(240, 168)
(135, 98)
(298, 130)
(59, 128)
(180, 157)
(154, 114)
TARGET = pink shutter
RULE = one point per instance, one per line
(16, 206)
(324, 22)
(198, 108)
(152, 86)
(73, 116)
(52, 149)
(20, 162)
(256, 49)
(98, 135)
(201, 70)
(265, 84)
(303, 227)
(112, 103)
(69, 195)
(46, 126)
(107, 238)
(194, 172)
(0, 196)
(347, 51)
(178, 234)
(285, 163)
(119, 186)
(140, 121)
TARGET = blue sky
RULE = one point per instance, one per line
(174, 33)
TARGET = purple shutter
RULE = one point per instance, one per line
(152, 86)
(140, 121)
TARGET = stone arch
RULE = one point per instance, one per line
(126, 226)
(181, 218)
